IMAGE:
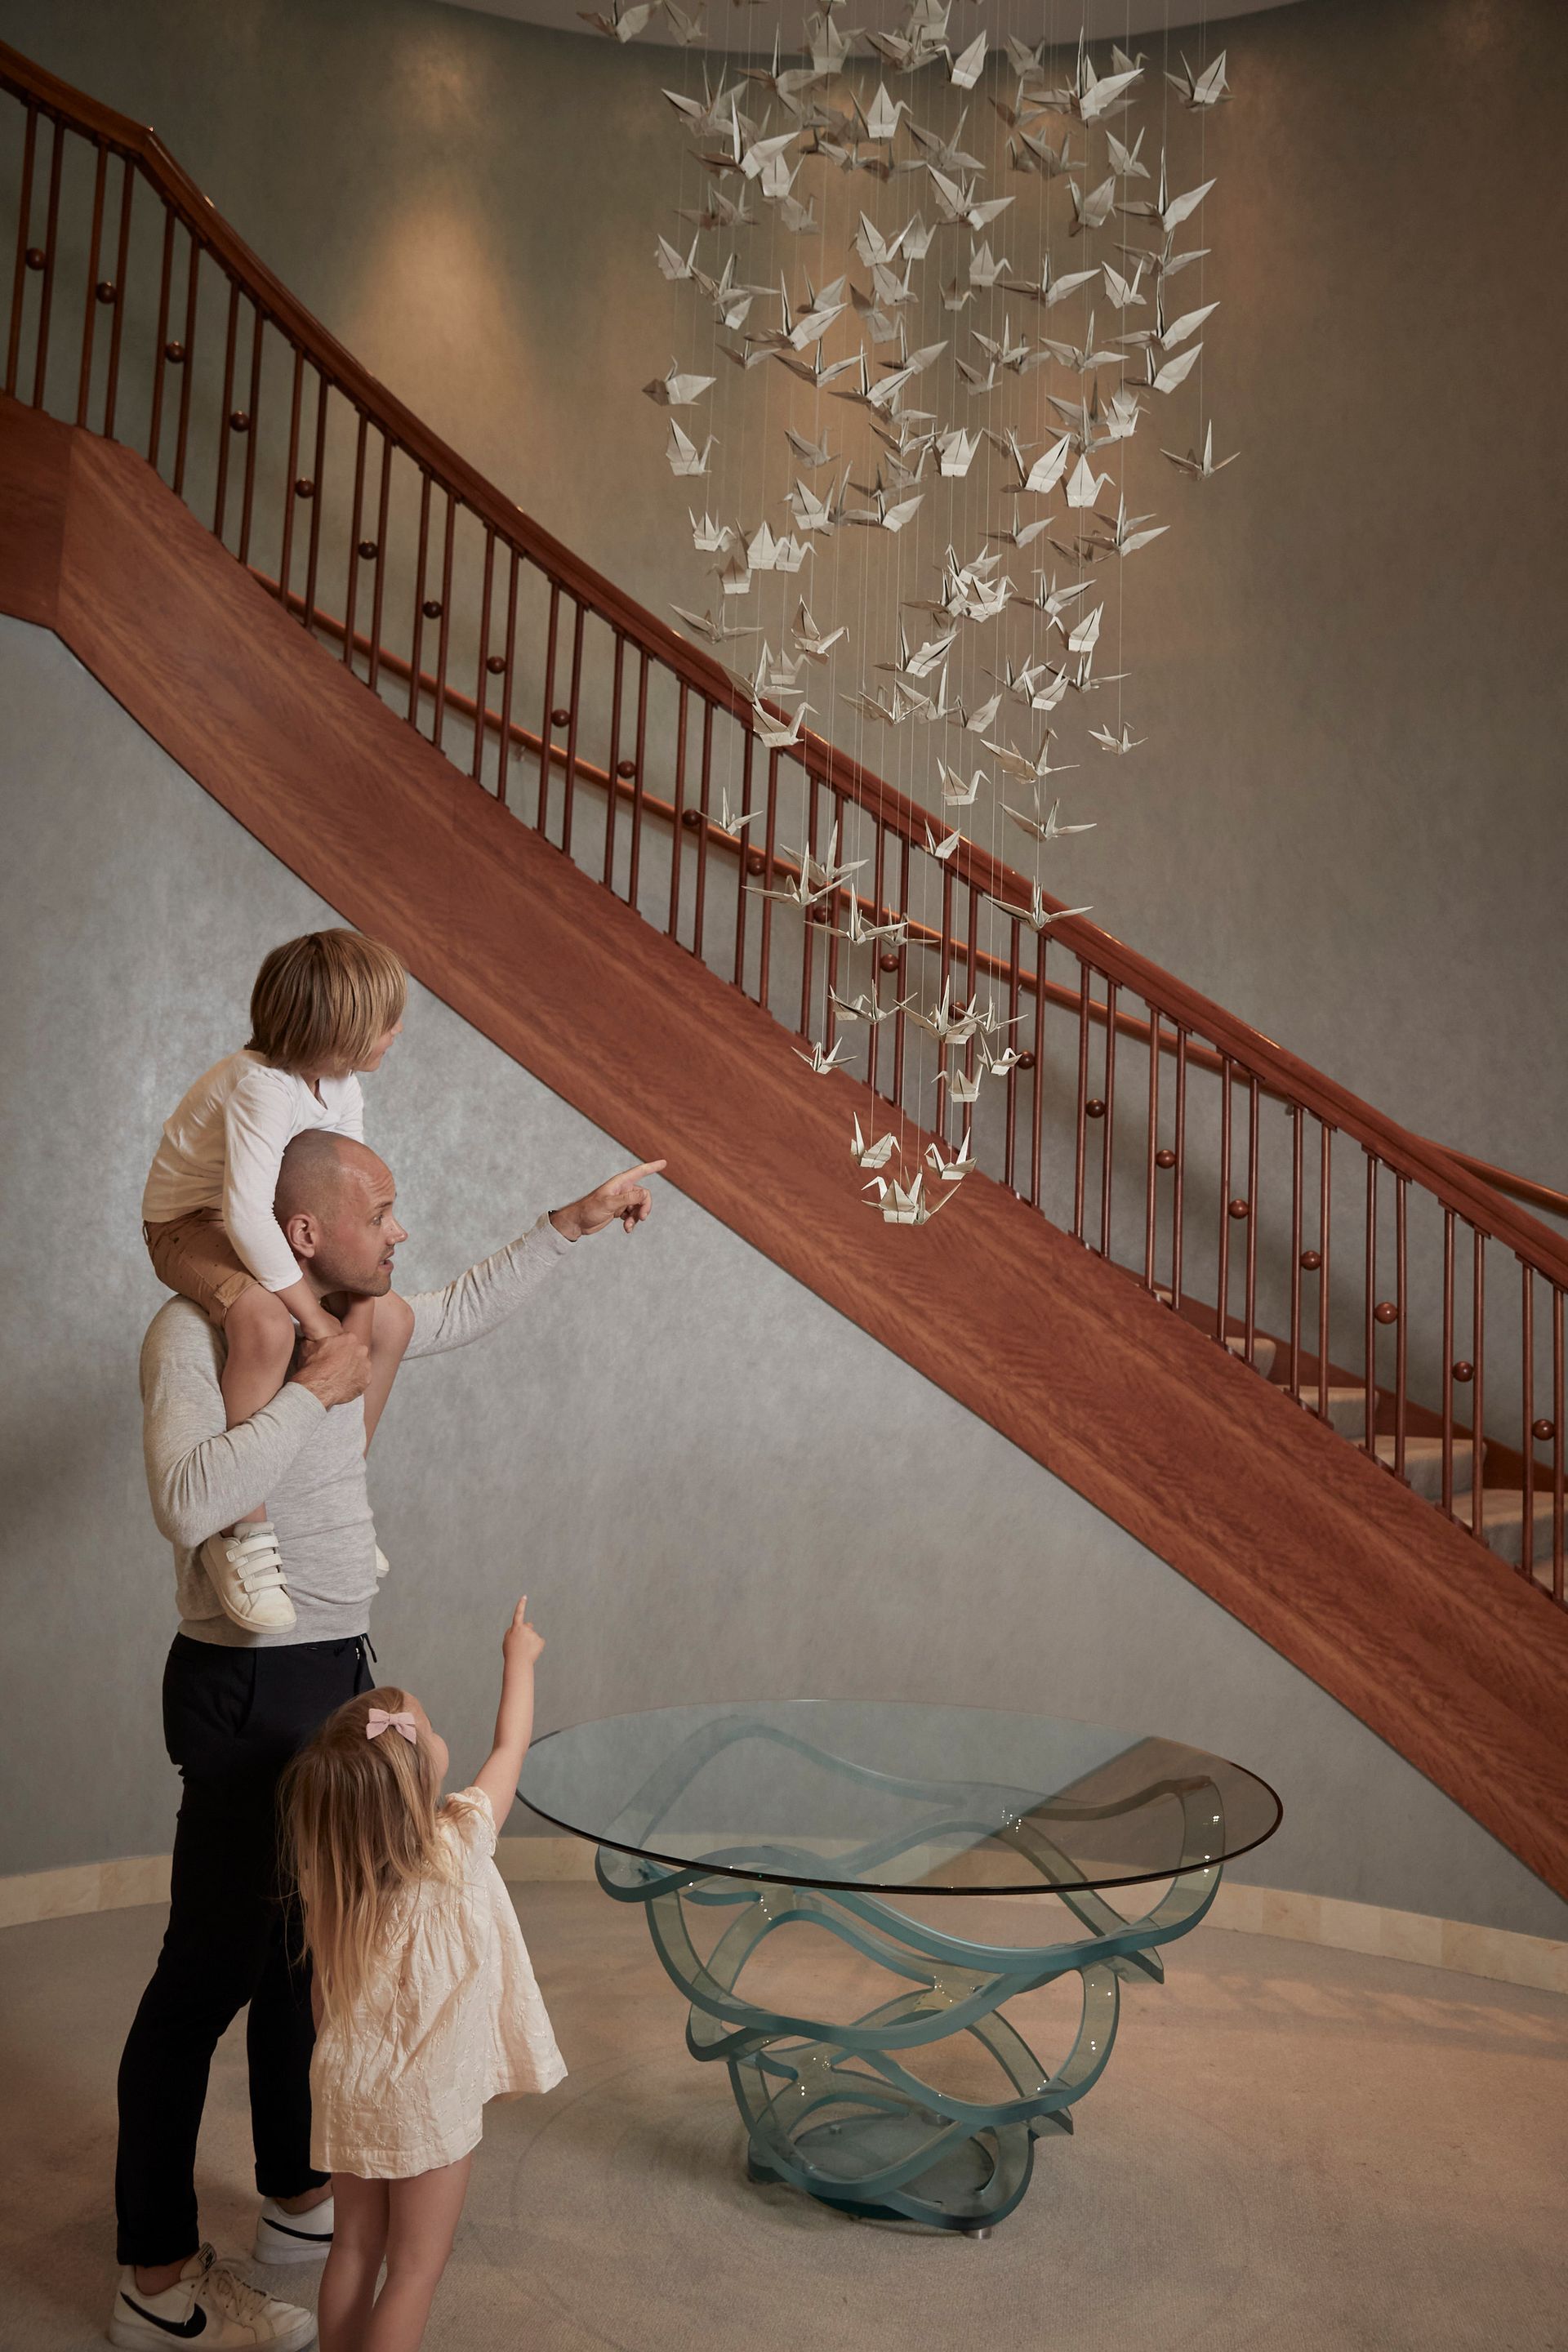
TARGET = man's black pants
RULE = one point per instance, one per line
(231, 1719)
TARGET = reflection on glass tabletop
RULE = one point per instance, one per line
(938, 1800)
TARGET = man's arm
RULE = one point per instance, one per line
(200, 1475)
(484, 1297)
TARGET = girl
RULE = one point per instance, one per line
(323, 1008)
(425, 2002)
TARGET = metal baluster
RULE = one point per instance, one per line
(188, 366)
(1296, 1120)
(1222, 1309)
(1479, 1325)
(1151, 1187)
(1556, 1443)
(1527, 1329)
(1447, 1490)
(1369, 1342)
(833, 906)
(1108, 1136)
(574, 706)
(90, 299)
(1178, 1187)
(676, 830)
(503, 768)
(742, 860)
(901, 990)
(318, 500)
(1402, 1320)
(1249, 1342)
(1081, 1136)
(765, 977)
(378, 593)
(220, 496)
(356, 524)
(420, 566)
(700, 912)
(546, 724)
(291, 475)
(1325, 1237)
(252, 430)
(161, 350)
(612, 797)
(637, 781)
(46, 295)
(24, 222)
(444, 636)
(1009, 1167)
(1038, 1102)
(481, 676)
(807, 928)
(122, 266)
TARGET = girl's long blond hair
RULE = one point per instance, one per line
(361, 1825)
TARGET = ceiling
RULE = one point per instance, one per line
(751, 27)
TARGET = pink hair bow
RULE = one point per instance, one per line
(378, 1720)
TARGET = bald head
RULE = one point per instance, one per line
(314, 1165)
(334, 1201)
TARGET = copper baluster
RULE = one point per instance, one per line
(637, 781)
(291, 475)
(901, 974)
(704, 786)
(90, 299)
(1479, 1347)
(220, 496)
(46, 294)
(188, 366)
(1249, 1342)
(574, 712)
(1296, 1116)
(764, 976)
(612, 798)
(378, 593)
(807, 927)
(421, 565)
(1222, 1305)
(1325, 1240)
(1037, 1076)
(24, 222)
(483, 670)
(1556, 1443)
(121, 264)
(1080, 1136)
(1010, 1116)
(1369, 1341)
(546, 722)
(1527, 1448)
(1447, 1489)
(1151, 1180)
(1107, 1123)
(748, 747)
(678, 830)
(252, 432)
(504, 764)
(1402, 1320)
(318, 500)
(443, 633)
(835, 904)
(1178, 1186)
(161, 347)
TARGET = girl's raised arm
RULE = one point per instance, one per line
(514, 1717)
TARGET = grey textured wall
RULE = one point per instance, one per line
(1349, 825)
(711, 1484)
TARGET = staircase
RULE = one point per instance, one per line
(1351, 1432)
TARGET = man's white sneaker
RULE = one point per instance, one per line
(283, 2236)
(247, 1572)
(211, 2302)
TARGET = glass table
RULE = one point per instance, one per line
(735, 1824)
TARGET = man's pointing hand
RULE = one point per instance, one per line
(626, 1197)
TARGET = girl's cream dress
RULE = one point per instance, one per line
(450, 2018)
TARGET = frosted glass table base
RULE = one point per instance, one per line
(835, 2107)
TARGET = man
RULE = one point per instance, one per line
(238, 1703)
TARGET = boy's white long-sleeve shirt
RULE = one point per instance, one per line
(222, 1147)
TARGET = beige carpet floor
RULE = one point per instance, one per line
(1292, 2149)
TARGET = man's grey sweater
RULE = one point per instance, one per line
(304, 1461)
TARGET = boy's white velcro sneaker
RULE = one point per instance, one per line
(208, 2304)
(283, 2236)
(247, 1572)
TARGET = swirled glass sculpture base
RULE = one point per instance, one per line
(833, 2107)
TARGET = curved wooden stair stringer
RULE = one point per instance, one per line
(1435, 1645)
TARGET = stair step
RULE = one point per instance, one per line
(1424, 1463)
(1347, 1409)
(1264, 1350)
(1502, 1526)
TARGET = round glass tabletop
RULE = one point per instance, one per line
(935, 1799)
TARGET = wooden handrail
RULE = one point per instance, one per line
(1467, 1185)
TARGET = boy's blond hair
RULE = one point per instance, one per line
(361, 1825)
(320, 1003)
